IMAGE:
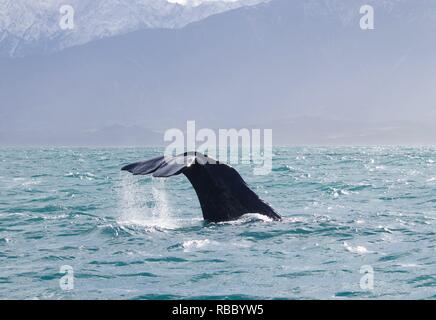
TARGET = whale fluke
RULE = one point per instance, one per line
(222, 192)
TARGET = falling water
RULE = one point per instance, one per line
(144, 204)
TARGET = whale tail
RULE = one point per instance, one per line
(222, 192)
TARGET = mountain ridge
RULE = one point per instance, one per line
(258, 65)
(27, 28)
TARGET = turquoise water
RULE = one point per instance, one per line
(143, 238)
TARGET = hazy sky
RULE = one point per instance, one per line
(306, 69)
(196, 2)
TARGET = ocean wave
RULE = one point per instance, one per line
(116, 230)
(359, 249)
(189, 245)
(82, 176)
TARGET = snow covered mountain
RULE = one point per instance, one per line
(303, 68)
(32, 26)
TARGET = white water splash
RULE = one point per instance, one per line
(355, 249)
(247, 218)
(190, 245)
(134, 204)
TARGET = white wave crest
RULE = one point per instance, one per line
(355, 249)
(189, 245)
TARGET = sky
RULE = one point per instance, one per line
(305, 69)
(196, 2)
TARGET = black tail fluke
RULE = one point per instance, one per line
(222, 192)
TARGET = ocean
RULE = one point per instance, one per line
(358, 222)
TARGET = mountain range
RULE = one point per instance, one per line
(303, 68)
(32, 27)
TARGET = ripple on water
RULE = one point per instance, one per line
(143, 238)
(358, 249)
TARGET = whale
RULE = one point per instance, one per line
(221, 191)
